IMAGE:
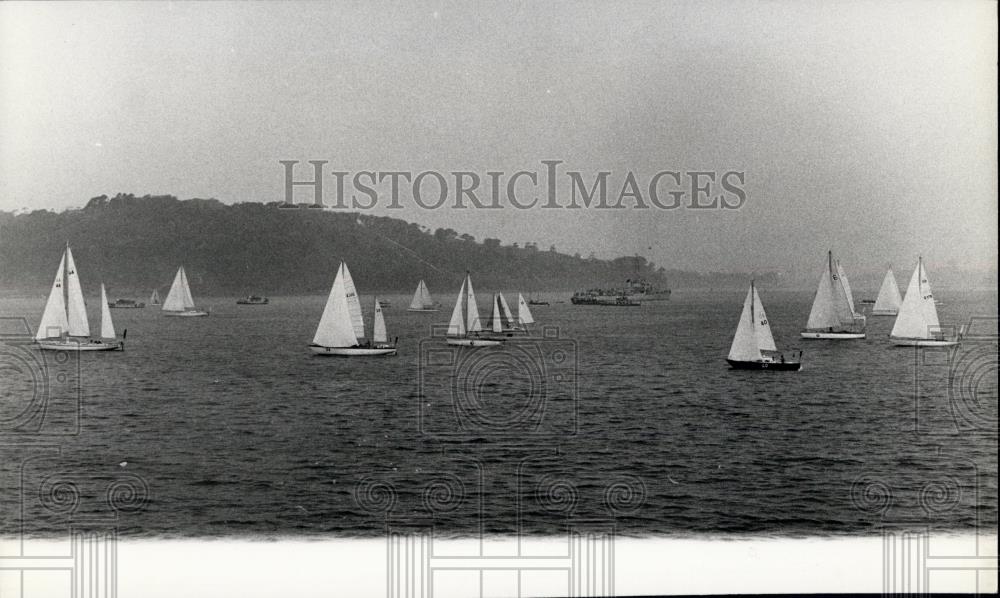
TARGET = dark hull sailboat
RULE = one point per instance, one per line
(780, 366)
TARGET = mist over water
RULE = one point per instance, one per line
(228, 426)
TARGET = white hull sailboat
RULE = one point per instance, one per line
(64, 325)
(465, 329)
(888, 301)
(422, 300)
(917, 323)
(832, 316)
(179, 302)
(341, 330)
(753, 345)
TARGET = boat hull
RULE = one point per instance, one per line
(833, 336)
(765, 365)
(82, 345)
(428, 309)
(352, 351)
(474, 342)
(186, 314)
(922, 342)
(884, 312)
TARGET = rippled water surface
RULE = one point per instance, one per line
(611, 416)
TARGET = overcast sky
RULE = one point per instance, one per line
(865, 127)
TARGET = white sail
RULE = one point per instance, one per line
(154, 299)
(888, 300)
(523, 313)
(847, 287)
(472, 318)
(179, 297)
(497, 324)
(186, 290)
(54, 321)
(335, 328)
(425, 295)
(744, 347)
(765, 340)
(505, 310)
(456, 327)
(107, 327)
(823, 313)
(917, 316)
(353, 303)
(76, 308)
(378, 327)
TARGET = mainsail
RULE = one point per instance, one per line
(335, 327)
(76, 309)
(353, 302)
(378, 327)
(888, 300)
(54, 321)
(107, 327)
(762, 327)
(472, 317)
(917, 316)
(745, 347)
(496, 324)
(523, 313)
(505, 310)
(456, 327)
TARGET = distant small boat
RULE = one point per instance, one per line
(341, 330)
(64, 325)
(753, 345)
(888, 300)
(832, 316)
(422, 300)
(917, 323)
(384, 303)
(126, 304)
(154, 299)
(179, 302)
(253, 300)
(533, 301)
(465, 328)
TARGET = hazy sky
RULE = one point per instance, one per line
(865, 127)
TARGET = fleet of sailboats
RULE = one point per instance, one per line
(64, 325)
(465, 329)
(753, 345)
(341, 330)
(888, 300)
(917, 321)
(833, 316)
(179, 301)
(422, 299)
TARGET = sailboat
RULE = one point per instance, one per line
(753, 345)
(179, 301)
(465, 329)
(422, 299)
(64, 325)
(154, 299)
(917, 322)
(341, 330)
(832, 315)
(887, 303)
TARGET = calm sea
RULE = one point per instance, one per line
(624, 417)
